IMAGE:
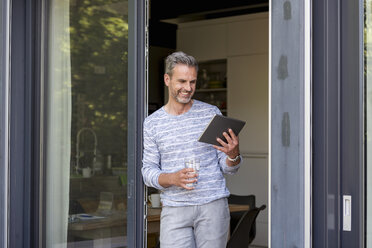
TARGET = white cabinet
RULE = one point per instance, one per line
(247, 99)
(224, 37)
(202, 40)
(248, 36)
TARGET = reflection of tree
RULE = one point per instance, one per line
(99, 35)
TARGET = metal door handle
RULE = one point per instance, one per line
(346, 213)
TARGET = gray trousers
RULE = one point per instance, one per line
(203, 226)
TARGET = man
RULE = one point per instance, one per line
(198, 215)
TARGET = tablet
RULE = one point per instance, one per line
(217, 126)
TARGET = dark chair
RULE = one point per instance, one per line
(238, 238)
(249, 200)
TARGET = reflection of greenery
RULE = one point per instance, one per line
(99, 35)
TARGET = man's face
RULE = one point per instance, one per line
(182, 83)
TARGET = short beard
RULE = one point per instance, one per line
(179, 99)
(183, 100)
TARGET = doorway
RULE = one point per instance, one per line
(233, 75)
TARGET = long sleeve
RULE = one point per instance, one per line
(230, 170)
(168, 140)
(151, 159)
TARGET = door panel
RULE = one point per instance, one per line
(338, 122)
(86, 110)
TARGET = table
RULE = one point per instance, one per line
(99, 231)
(107, 222)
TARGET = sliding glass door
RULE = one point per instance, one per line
(85, 123)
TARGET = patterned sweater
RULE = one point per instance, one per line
(168, 140)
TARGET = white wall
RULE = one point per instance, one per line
(243, 41)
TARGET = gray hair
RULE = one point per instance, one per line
(179, 58)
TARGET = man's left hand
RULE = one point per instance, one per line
(231, 148)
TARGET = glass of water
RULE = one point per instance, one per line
(193, 163)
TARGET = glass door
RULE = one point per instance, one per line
(85, 123)
(338, 218)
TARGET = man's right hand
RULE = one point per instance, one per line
(179, 178)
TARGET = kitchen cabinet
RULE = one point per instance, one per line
(225, 37)
(202, 40)
(244, 48)
(211, 86)
(248, 36)
(216, 97)
(248, 99)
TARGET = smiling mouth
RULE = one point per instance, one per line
(185, 94)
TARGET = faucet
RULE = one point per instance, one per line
(77, 146)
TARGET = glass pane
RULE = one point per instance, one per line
(368, 114)
(86, 123)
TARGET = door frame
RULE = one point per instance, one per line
(137, 111)
(290, 126)
(290, 143)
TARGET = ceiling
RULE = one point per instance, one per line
(166, 14)
(172, 11)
